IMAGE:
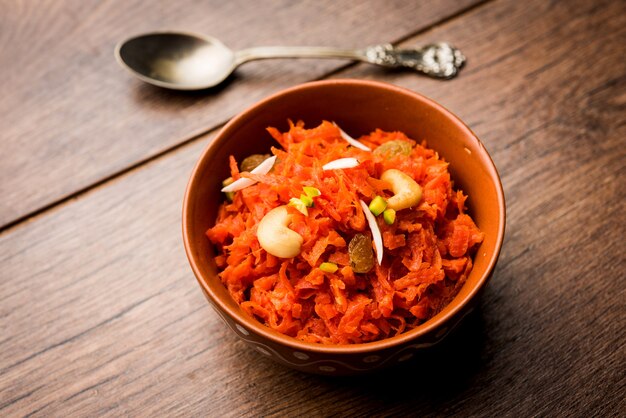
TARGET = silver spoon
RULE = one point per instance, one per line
(185, 61)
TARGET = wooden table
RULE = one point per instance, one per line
(99, 311)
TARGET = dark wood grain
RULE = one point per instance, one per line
(545, 89)
(72, 117)
(100, 314)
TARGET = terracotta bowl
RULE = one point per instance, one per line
(358, 107)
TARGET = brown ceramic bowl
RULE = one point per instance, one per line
(358, 107)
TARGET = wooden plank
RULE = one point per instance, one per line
(545, 90)
(71, 116)
(100, 314)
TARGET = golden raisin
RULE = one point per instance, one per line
(252, 161)
(361, 253)
(393, 148)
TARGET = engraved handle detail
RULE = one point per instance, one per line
(440, 60)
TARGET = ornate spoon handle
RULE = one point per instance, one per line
(439, 60)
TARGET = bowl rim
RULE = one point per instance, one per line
(284, 340)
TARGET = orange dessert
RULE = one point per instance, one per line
(337, 241)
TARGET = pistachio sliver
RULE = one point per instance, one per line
(307, 200)
(378, 205)
(329, 267)
(299, 205)
(311, 191)
(389, 216)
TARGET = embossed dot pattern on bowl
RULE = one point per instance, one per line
(263, 351)
(242, 329)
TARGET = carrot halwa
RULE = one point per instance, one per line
(326, 293)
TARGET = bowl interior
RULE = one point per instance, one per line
(358, 107)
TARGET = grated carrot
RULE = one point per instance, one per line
(428, 248)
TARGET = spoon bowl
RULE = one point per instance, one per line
(174, 60)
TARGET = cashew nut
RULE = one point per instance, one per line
(407, 192)
(275, 237)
